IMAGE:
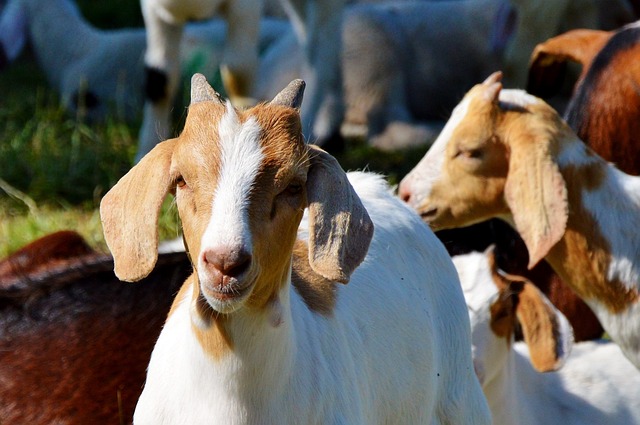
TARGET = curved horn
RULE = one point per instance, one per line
(201, 91)
(291, 95)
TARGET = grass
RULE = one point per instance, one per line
(55, 168)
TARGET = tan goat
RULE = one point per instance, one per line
(507, 154)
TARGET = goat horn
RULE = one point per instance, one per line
(201, 91)
(291, 95)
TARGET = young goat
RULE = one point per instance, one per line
(262, 332)
(507, 154)
(595, 384)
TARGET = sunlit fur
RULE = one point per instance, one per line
(596, 384)
(391, 347)
(596, 250)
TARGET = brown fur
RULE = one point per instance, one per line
(318, 293)
(585, 249)
(75, 340)
(56, 247)
(579, 249)
(521, 302)
(287, 180)
(548, 62)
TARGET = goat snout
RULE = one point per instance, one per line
(404, 192)
(226, 265)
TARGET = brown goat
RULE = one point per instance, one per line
(74, 340)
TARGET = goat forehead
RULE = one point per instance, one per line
(431, 165)
(241, 158)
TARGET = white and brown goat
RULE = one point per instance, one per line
(507, 154)
(587, 383)
(261, 332)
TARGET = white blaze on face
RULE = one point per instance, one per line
(241, 156)
(430, 167)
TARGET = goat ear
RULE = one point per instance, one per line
(130, 210)
(340, 227)
(291, 96)
(546, 331)
(536, 195)
(548, 63)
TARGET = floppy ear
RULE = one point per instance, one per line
(546, 331)
(548, 62)
(340, 227)
(536, 194)
(130, 210)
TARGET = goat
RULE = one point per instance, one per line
(261, 332)
(586, 383)
(97, 72)
(513, 157)
(605, 105)
(405, 65)
(317, 28)
(74, 340)
(603, 112)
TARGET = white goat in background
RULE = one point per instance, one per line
(316, 25)
(595, 383)
(406, 64)
(507, 154)
(102, 71)
(263, 332)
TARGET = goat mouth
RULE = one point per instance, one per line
(429, 214)
(233, 290)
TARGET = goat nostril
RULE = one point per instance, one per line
(405, 196)
(228, 262)
(404, 193)
(239, 265)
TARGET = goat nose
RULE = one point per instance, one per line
(229, 262)
(404, 192)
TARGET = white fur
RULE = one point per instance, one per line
(399, 333)
(241, 158)
(406, 64)
(615, 206)
(76, 56)
(317, 27)
(596, 385)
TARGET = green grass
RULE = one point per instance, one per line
(55, 168)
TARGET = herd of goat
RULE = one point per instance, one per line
(301, 293)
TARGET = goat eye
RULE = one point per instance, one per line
(294, 189)
(469, 153)
(180, 182)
